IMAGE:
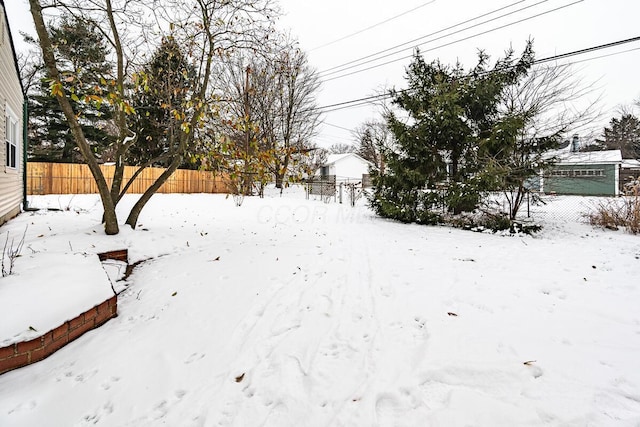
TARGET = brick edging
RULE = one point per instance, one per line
(27, 352)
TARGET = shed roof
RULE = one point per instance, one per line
(334, 158)
(591, 157)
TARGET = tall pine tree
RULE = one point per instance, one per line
(161, 102)
(624, 134)
(83, 61)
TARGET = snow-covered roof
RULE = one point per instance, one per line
(594, 157)
(333, 158)
(631, 164)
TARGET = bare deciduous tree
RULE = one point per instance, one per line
(207, 29)
(545, 106)
(373, 139)
(342, 148)
(268, 114)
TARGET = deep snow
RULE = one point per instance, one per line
(292, 312)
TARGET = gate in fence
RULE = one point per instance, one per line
(329, 188)
(324, 186)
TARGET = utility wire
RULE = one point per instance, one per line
(368, 100)
(373, 26)
(335, 126)
(602, 56)
(589, 49)
(328, 70)
(455, 41)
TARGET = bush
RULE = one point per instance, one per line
(492, 221)
(624, 212)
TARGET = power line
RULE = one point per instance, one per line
(455, 41)
(602, 56)
(589, 49)
(328, 70)
(335, 126)
(373, 26)
(368, 100)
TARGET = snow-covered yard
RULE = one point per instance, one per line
(292, 312)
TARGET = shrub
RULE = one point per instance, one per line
(492, 221)
(624, 212)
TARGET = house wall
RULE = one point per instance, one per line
(603, 181)
(350, 167)
(11, 100)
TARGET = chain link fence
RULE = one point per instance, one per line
(331, 188)
(536, 207)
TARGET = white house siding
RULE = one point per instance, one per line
(11, 99)
(346, 167)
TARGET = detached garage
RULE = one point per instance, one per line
(592, 173)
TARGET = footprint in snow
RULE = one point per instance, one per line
(387, 410)
(194, 357)
(107, 384)
(24, 406)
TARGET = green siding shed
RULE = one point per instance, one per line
(594, 173)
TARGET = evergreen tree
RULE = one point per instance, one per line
(450, 113)
(83, 61)
(624, 134)
(161, 100)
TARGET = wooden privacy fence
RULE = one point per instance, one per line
(71, 178)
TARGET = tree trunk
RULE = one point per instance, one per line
(67, 152)
(110, 218)
(116, 183)
(120, 115)
(132, 219)
(517, 202)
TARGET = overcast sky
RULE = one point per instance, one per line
(320, 26)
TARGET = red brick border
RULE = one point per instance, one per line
(117, 255)
(27, 352)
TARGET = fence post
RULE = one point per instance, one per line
(341, 192)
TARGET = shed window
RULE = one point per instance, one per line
(578, 173)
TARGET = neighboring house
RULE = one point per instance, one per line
(348, 167)
(592, 173)
(11, 125)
